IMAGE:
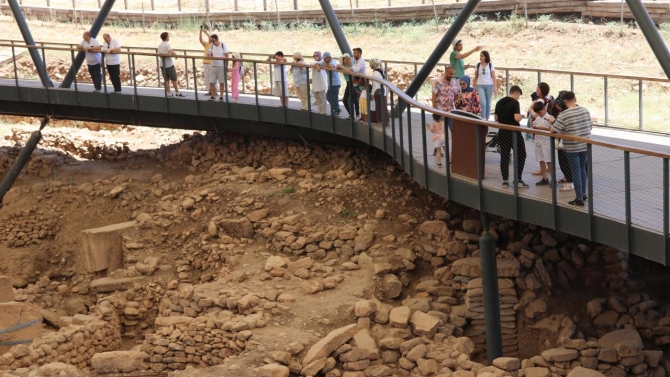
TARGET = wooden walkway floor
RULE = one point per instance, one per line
(608, 165)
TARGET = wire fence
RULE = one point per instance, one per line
(353, 11)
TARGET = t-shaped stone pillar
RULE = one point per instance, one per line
(103, 247)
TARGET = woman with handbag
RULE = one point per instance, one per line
(378, 110)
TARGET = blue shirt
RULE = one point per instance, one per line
(333, 78)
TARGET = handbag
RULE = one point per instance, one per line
(373, 107)
(559, 143)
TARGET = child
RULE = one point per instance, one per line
(437, 128)
(542, 121)
(237, 72)
(280, 77)
(359, 87)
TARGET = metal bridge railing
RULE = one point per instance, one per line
(620, 101)
(626, 197)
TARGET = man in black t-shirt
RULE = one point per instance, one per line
(508, 111)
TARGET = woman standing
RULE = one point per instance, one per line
(485, 82)
(319, 84)
(349, 93)
(468, 99)
(236, 74)
(380, 115)
(300, 79)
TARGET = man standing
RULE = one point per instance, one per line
(508, 111)
(217, 73)
(206, 63)
(167, 65)
(334, 83)
(575, 121)
(445, 90)
(93, 58)
(358, 66)
(456, 58)
(111, 48)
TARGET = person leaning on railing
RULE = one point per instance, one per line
(319, 84)
(575, 121)
(380, 115)
(167, 65)
(300, 79)
(91, 46)
(111, 48)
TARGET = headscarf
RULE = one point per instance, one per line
(318, 56)
(468, 88)
(375, 63)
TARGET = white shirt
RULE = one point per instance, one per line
(112, 59)
(359, 66)
(543, 122)
(218, 52)
(319, 80)
(276, 72)
(92, 58)
(485, 78)
(164, 49)
(376, 85)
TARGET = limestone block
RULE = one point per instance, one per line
(103, 247)
(6, 289)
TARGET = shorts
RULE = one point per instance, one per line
(169, 73)
(542, 151)
(216, 73)
(206, 69)
(276, 88)
(438, 143)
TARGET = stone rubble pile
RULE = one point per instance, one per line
(87, 148)
(42, 163)
(74, 344)
(634, 311)
(616, 354)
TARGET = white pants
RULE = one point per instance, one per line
(320, 98)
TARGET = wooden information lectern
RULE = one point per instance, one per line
(464, 146)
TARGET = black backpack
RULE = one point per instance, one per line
(559, 104)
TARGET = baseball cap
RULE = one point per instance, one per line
(326, 55)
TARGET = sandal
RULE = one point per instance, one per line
(439, 164)
(563, 180)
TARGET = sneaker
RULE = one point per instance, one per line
(586, 198)
(170, 95)
(221, 98)
(179, 95)
(96, 90)
(566, 187)
(337, 112)
(544, 182)
(212, 98)
(577, 203)
(439, 164)
(505, 184)
(523, 184)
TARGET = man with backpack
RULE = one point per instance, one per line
(508, 112)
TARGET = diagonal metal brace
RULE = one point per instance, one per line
(21, 161)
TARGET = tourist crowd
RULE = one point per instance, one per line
(453, 91)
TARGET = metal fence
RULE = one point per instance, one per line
(349, 11)
(626, 197)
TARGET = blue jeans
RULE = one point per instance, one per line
(578, 169)
(485, 97)
(332, 97)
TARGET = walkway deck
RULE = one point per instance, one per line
(608, 165)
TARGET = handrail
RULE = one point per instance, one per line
(399, 93)
(405, 62)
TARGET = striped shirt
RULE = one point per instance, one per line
(575, 121)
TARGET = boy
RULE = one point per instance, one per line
(542, 121)
(280, 77)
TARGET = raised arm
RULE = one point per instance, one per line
(204, 41)
(463, 55)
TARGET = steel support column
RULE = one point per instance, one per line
(95, 29)
(28, 39)
(487, 249)
(651, 33)
(22, 159)
(335, 27)
(440, 50)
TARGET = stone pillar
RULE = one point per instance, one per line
(103, 247)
